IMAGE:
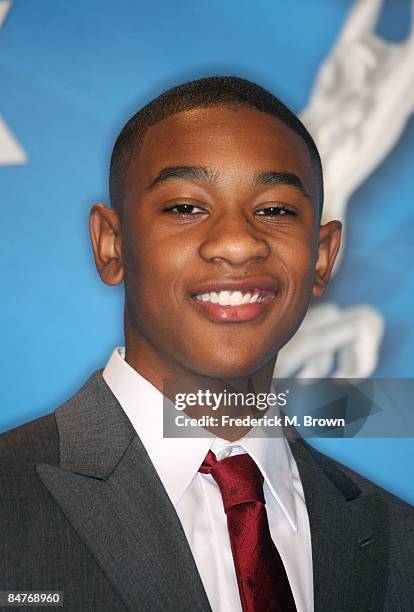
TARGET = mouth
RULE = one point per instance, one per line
(235, 302)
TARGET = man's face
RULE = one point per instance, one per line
(220, 240)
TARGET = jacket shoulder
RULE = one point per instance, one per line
(363, 486)
(38, 441)
(34, 442)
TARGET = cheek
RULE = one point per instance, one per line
(154, 268)
(297, 273)
(304, 266)
(298, 258)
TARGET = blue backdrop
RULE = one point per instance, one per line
(71, 73)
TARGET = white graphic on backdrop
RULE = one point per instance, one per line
(361, 101)
(11, 153)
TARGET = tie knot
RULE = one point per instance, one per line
(238, 478)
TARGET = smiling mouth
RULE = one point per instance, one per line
(230, 306)
(235, 298)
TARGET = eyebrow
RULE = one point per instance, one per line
(274, 177)
(200, 173)
(189, 173)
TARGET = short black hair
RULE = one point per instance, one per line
(200, 93)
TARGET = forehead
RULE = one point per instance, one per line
(236, 142)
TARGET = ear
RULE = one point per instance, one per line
(105, 231)
(329, 243)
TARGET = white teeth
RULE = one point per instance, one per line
(236, 298)
(231, 298)
(224, 298)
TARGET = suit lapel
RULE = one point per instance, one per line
(111, 494)
(349, 535)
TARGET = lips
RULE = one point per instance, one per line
(234, 300)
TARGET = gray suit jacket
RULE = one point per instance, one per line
(82, 510)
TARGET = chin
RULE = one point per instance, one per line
(222, 366)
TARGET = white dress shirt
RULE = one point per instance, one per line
(197, 499)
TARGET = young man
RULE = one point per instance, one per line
(216, 192)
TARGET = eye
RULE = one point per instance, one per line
(276, 211)
(184, 209)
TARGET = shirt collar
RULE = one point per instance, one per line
(177, 460)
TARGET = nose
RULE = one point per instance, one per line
(234, 240)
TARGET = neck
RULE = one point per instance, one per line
(212, 392)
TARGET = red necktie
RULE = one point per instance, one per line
(261, 576)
